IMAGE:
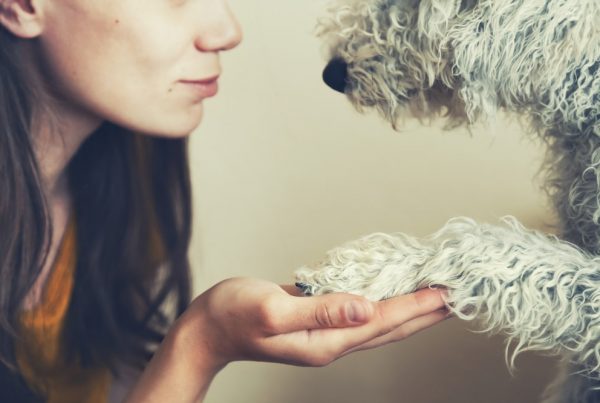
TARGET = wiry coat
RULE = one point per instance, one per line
(465, 60)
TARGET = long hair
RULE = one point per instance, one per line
(132, 206)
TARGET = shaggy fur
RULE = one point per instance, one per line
(465, 60)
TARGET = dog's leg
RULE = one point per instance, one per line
(573, 184)
(572, 387)
(574, 180)
(544, 293)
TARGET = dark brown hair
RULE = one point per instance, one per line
(132, 205)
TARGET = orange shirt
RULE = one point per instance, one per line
(40, 350)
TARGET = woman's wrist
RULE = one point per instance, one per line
(190, 341)
(197, 361)
(181, 370)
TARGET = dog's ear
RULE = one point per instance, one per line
(335, 75)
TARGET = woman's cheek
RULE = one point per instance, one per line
(167, 114)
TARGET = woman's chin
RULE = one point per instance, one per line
(172, 126)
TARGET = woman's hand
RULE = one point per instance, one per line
(250, 319)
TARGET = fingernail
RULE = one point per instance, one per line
(357, 312)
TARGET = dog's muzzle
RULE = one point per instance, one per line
(335, 75)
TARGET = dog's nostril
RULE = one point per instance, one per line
(335, 74)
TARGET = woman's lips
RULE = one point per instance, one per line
(203, 88)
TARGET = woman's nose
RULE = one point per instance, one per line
(221, 32)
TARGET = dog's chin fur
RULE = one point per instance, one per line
(465, 60)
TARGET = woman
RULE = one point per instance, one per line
(97, 98)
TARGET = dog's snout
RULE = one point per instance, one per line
(335, 74)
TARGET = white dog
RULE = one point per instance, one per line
(464, 60)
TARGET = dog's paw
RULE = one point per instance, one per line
(378, 266)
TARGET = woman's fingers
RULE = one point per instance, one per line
(390, 315)
(401, 309)
(345, 310)
(321, 345)
(403, 331)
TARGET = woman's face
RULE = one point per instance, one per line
(127, 61)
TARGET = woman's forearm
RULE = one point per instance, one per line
(178, 372)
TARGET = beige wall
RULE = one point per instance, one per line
(284, 169)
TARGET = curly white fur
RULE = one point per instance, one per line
(538, 60)
(542, 292)
(471, 58)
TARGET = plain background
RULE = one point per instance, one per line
(284, 169)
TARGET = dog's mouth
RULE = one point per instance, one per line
(335, 75)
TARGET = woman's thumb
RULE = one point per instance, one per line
(331, 311)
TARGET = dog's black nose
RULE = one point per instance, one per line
(335, 74)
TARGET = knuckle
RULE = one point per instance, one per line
(385, 326)
(401, 334)
(382, 331)
(423, 301)
(320, 360)
(323, 316)
(267, 314)
(418, 300)
(379, 315)
(381, 318)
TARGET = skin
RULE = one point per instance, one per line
(123, 61)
